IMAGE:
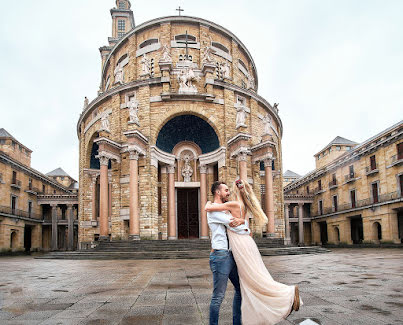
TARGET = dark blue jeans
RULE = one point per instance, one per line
(223, 266)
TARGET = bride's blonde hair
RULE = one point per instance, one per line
(242, 189)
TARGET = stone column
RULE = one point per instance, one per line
(54, 227)
(203, 201)
(301, 224)
(94, 197)
(134, 224)
(243, 171)
(269, 197)
(171, 203)
(287, 239)
(104, 198)
(70, 217)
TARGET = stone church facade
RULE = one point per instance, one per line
(177, 109)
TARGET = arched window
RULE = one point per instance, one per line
(94, 162)
(13, 240)
(220, 46)
(124, 56)
(242, 64)
(182, 37)
(148, 42)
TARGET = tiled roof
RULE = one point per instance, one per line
(290, 173)
(57, 172)
(5, 134)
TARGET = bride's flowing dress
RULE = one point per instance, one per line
(264, 301)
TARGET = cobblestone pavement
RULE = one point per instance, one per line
(346, 286)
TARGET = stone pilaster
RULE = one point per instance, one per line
(301, 223)
(171, 203)
(70, 216)
(54, 227)
(269, 197)
(104, 198)
(287, 239)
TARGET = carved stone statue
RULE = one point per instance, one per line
(85, 102)
(133, 106)
(119, 74)
(240, 116)
(275, 106)
(166, 55)
(187, 170)
(207, 55)
(145, 65)
(185, 78)
(267, 125)
(225, 70)
(251, 81)
(105, 126)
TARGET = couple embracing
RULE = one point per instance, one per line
(258, 299)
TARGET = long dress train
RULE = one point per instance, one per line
(264, 301)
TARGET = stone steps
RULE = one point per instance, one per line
(172, 254)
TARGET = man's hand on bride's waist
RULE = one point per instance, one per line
(235, 222)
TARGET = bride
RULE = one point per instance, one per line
(264, 301)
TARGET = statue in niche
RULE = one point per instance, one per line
(186, 78)
(133, 106)
(166, 55)
(225, 69)
(251, 81)
(207, 56)
(145, 65)
(105, 125)
(240, 116)
(267, 126)
(119, 74)
(187, 170)
(85, 102)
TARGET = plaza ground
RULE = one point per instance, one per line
(346, 286)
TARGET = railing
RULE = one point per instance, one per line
(362, 203)
(370, 170)
(333, 183)
(318, 190)
(32, 190)
(18, 213)
(396, 159)
(349, 177)
(16, 183)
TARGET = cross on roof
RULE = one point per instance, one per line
(179, 10)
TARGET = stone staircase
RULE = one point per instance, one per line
(172, 249)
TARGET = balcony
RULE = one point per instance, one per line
(333, 184)
(15, 183)
(371, 171)
(396, 160)
(18, 213)
(351, 177)
(32, 190)
(318, 190)
(366, 203)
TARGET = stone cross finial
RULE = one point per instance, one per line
(179, 10)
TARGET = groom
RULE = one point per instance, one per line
(222, 262)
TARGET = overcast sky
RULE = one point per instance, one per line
(335, 67)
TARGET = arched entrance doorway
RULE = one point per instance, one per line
(14, 240)
(186, 139)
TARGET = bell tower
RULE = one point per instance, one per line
(122, 19)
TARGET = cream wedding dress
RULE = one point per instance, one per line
(264, 301)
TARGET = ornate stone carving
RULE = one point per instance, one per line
(268, 161)
(187, 170)
(166, 54)
(243, 156)
(251, 81)
(267, 125)
(186, 77)
(203, 169)
(105, 125)
(145, 65)
(134, 155)
(240, 116)
(275, 106)
(133, 106)
(119, 74)
(225, 70)
(103, 160)
(171, 169)
(207, 55)
(85, 103)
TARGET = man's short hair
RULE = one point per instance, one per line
(215, 186)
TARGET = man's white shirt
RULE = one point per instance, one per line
(218, 221)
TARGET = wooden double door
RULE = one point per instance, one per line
(188, 213)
